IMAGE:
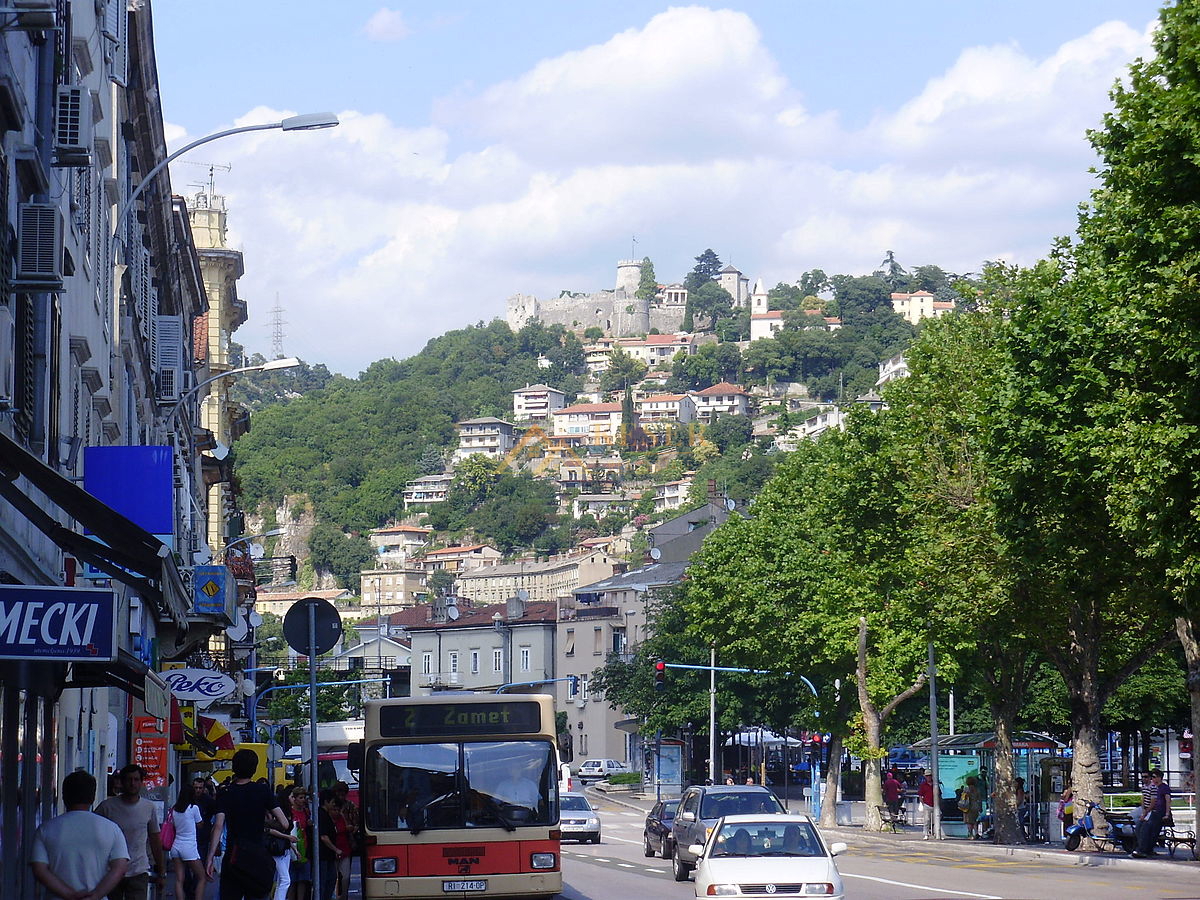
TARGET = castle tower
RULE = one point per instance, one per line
(759, 302)
(629, 275)
(737, 284)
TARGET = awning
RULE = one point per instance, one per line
(128, 673)
(124, 551)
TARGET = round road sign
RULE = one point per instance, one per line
(295, 626)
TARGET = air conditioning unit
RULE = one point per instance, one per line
(8, 357)
(73, 127)
(39, 247)
(34, 15)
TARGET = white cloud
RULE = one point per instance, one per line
(386, 25)
(377, 237)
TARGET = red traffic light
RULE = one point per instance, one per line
(660, 675)
(660, 666)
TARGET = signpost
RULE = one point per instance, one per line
(311, 627)
(61, 624)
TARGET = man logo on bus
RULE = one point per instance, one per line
(465, 861)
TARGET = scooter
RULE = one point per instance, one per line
(1120, 834)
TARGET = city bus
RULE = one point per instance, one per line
(459, 796)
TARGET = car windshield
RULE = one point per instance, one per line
(566, 801)
(714, 806)
(454, 785)
(767, 839)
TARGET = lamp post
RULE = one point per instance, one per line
(286, 362)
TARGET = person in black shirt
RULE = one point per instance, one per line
(240, 809)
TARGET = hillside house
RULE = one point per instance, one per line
(427, 490)
(723, 398)
(394, 544)
(659, 408)
(486, 435)
(596, 423)
(535, 402)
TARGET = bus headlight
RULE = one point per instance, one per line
(383, 865)
(542, 860)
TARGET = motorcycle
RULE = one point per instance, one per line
(1120, 836)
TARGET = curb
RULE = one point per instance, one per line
(619, 801)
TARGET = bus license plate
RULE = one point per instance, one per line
(452, 886)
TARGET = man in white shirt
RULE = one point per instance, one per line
(79, 855)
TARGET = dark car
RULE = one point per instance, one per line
(700, 807)
(656, 836)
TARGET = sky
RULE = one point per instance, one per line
(492, 148)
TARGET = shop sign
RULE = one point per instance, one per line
(150, 750)
(54, 623)
(199, 684)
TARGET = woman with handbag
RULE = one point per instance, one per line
(280, 843)
(184, 852)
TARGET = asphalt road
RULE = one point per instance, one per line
(617, 870)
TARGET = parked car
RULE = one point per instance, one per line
(599, 769)
(577, 818)
(699, 809)
(657, 833)
(777, 855)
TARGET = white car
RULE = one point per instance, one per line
(577, 819)
(599, 769)
(776, 855)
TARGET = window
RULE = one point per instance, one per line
(474, 662)
(569, 643)
(426, 663)
(454, 662)
(618, 640)
(497, 660)
(598, 640)
(524, 659)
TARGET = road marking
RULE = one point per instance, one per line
(627, 865)
(921, 887)
(609, 837)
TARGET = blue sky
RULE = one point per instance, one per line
(493, 148)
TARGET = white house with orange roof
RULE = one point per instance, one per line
(657, 350)
(919, 305)
(535, 402)
(594, 423)
(765, 324)
(461, 557)
(666, 408)
(723, 398)
(396, 543)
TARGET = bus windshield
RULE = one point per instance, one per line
(459, 784)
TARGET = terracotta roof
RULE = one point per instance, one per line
(664, 398)
(589, 408)
(536, 387)
(537, 612)
(399, 529)
(943, 304)
(834, 320)
(668, 339)
(773, 314)
(723, 388)
(900, 295)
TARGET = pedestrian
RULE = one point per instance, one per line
(137, 818)
(284, 842)
(327, 844)
(1066, 808)
(79, 855)
(343, 839)
(1020, 801)
(971, 804)
(185, 851)
(1147, 799)
(240, 808)
(893, 791)
(1152, 823)
(925, 795)
(301, 867)
(729, 779)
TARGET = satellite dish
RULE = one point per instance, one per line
(255, 618)
(256, 551)
(522, 594)
(452, 613)
(655, 553)
(730, 504)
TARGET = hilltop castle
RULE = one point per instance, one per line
(618, 311)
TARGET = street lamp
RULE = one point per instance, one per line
(287, 362)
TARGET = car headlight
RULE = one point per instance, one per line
(542, 861)
(722, 890)
(593, 821)
(383, 865)
(817, 888)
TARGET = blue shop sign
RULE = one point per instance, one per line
(56, 623)
(215, 592)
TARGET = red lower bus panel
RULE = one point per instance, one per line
(462, 859)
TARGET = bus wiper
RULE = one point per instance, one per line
(499, 811)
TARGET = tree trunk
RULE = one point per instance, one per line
(1004, 808)
(1189, 636)
(833, 780)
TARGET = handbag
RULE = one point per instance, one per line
(278, 846)
(167, 833)
(252, 867)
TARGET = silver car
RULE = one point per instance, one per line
(577, 819)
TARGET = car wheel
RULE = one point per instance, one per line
(666, 849)
(679, 868)
(647, 850)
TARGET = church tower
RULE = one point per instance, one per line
(759, 303)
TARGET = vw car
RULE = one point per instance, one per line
(699, 809)
(776, 856)
(599, 769)
(656, 836)
(577, 819)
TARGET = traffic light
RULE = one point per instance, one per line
(660, 675)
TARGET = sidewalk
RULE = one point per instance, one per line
(909, 839)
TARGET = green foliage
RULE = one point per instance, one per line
(593, 333)
(709, 365)
(625, 778)
(509, 510)
(623, 371)
(647, 284)
(730, 432)
(341, 554)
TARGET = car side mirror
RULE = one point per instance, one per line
(838, 848)
(697, 850)
(687, 817)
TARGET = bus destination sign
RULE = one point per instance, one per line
(455, 719)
